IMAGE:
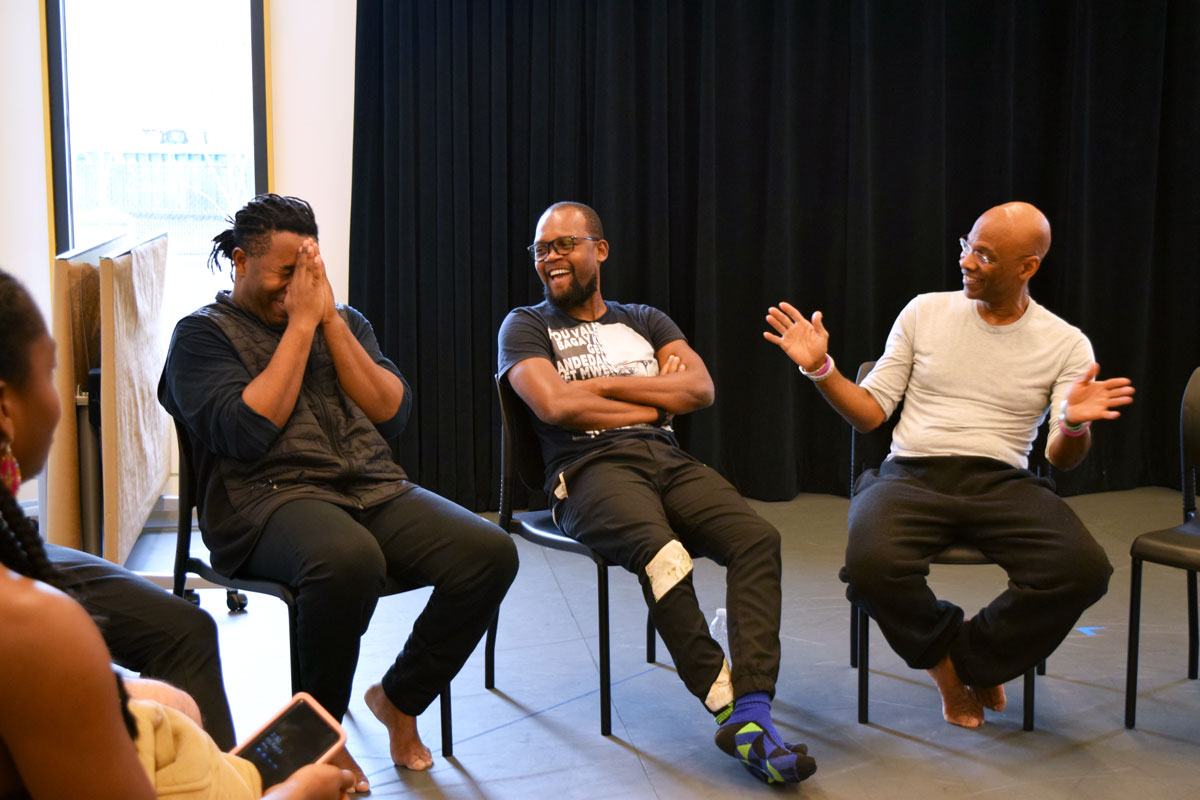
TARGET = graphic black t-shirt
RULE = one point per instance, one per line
(622, 342)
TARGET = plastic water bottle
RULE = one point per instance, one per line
(719, 630)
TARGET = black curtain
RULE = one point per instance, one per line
(742, 153)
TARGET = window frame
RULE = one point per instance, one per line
(59, 123)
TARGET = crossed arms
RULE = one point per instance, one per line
(682, 385)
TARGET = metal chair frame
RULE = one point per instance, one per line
(1173, 547)
(521, 459)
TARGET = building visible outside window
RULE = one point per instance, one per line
(160, 129)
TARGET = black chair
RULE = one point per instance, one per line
(521, 457)
(1177, 547)
(867, 451)
(186, 563)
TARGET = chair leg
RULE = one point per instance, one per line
(447, 732)
(605, 675)
(864, 669)
(1135, 611)
(294, 646)
(853, 636)
(1191, 591)
(1027, 705)
(489, 653)
(1041, 668)
(651, 639)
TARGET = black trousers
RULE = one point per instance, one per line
(338, 559)
(632, 501)
(152, 632)
(911, 508)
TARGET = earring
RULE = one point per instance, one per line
(10, 470)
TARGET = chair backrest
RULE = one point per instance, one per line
(1189, 442)
(868, 450)
(520, 449)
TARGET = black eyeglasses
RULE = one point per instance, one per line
(540, 251)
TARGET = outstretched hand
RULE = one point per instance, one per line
(805, 342)
(1089, 399)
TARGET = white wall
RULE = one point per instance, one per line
(24, 224)
(24, 235)
(312, 94)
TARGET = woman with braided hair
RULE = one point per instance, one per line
(66, 728)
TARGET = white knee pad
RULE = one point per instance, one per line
(669, 566)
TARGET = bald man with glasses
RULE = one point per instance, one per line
(978, 371)
(604, 381)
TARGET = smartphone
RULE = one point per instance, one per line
(302, 733)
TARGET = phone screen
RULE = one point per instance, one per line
(299, 736)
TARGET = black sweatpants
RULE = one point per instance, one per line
(152, 632)
(911, 508)
(638, 497)
(338, 560)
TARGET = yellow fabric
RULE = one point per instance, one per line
(184, 763)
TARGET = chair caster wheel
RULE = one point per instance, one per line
(191, 596)
(235, 601)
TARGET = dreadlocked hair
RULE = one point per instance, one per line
(21, 548)
(252, 226)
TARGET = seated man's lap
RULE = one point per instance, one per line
(308, 539)
(429, 540)
(613, 507)
(418, 538)
(899, 520)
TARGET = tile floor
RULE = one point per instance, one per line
(537, 735)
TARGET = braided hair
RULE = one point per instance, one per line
(21, 548)
(252, 226)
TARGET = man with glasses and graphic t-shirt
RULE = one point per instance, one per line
(603, 381)
(978, 371)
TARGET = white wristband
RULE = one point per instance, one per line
(818, 375)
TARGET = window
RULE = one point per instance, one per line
(158, 123)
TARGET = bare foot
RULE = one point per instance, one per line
(990, 696)
(959, 705)
(407, 748)
(344, 760)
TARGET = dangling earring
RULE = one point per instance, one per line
(10, 470)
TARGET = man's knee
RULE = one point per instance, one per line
(760, 536)
(498, 556)
(195, 628)
(868, 570)
(669, 566)
(353, 564)
(1086, 574)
